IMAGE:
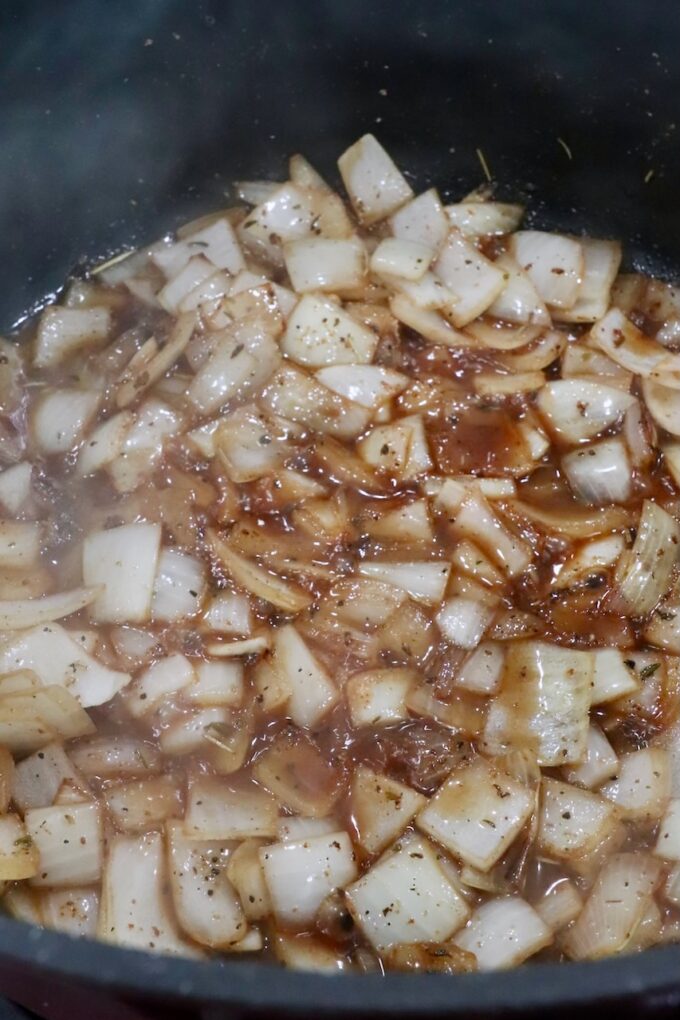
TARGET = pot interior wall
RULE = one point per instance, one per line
(118, 120)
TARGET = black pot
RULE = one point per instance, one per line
(119, 120)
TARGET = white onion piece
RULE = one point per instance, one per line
(205, 901)
(319, 332)
(456, 815)
(162, 678)
(69, 842)
(19, 854)
(422, 220)
(250, 445)
(428, 323)
(194, 272)
(19, 543)
(179, 586)
(518, 301)
(367, 385)
(256, 192)
(216, 683)
(543, 706)
(257, 580)
(582, 359)
(105, 443)
(228, 613)
(477, 521)
(407, 897)
(381, 808)
(572, 821)
(644, 572)
(628, 346)
(617, 902)
(503, 933)
(554, 263)
(398, 257)
(589, 559)
(38, 778)
(481, 672)
(378, 696)
(474, 281)
(537, 354)
(463, 621)
(143, 804)
(400, 448)
(492, 384)
(319, 263)
(299, 876)
(134, 910)
(307, 953)
(216, 242)
(425, 582)
(494, 335)
(663, 405)
(241, 361)
(21, 613)
(578, 409)
(56, 658)
(15, 487)
(63, 331)
(234, 649)
(478, 219)
(374, 184)
(217, 811)
(138, 378)
(560, 905)
(409, 523)
(600, 762)
(115, 757)
(311, 691)
(124, 561)
(574, 523)
(642, 788)
(668, 839)
(60, 418)
(601, 473)
(601, 261)
(612, 678)
(294, 395)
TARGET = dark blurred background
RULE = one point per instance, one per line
(119, 119)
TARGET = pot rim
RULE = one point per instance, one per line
(260, 985)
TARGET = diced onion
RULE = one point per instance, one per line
(600, 473)
(644, 572)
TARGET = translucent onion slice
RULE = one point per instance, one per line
(407, 897)
(375, 186)
(134, 911)
(503, 933)
(554, 263)
(518, 301)
(63, 331)
(256, 580)
(573, 523)
(663, 405)
(22, 613)
(422, 220)
(299, 876)
(601, 261)
(19, 855)
(15, 487)
(617, 902)
(628, 346)
(474, 281)
(207, 906)
(122, 561)
(643, 574)
(425, 581)
(578, 409)
(480, 219)
(601, 473)
(69, 841)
